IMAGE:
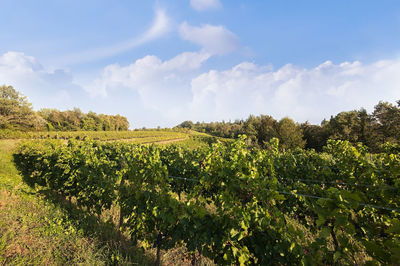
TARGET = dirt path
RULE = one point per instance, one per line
(168, 141)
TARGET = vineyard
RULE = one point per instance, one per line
(96, 135)
(232, 204)
(186, 138)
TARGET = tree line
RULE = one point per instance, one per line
(16, 113)
(371, 129)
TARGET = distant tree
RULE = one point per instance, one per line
(122, 122)
(345, 126)
(290, 134)
(250, 126)
(16, 112)
(315, 136)
(369, 134)
(89, 122)
(387, 117)
(77, 120)
(186, 124)
(354, 126)
(267, 128)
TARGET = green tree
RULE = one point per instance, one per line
(267, 129)
(387, 117)
(16, 112)
(315, 136)
(186, 124)
(369, 134)
(290, 134)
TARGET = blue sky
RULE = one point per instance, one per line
(163, 62)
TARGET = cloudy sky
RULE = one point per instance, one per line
(162, 62)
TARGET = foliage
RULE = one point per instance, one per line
(373, 130)
(75, 120)
(233, 204)
(259, 130)
(16, 112)
(132, 136)
(37, 227)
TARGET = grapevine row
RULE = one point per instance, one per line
(233, 204)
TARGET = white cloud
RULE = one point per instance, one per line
(162, 86)
(43, 87)
(175, 90)
(160, 26)
(201, 5)
(152, 92)
(213, 39)
(303, 94)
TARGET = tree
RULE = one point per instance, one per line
(315, 136)
(267, 129)
(387, 117)
(76, 120)
(16, 112)
(250, 129)
(290, 134)
(186, 124)
(369, 134)
(345, 126)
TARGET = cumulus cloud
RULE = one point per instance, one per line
(303, 94)
(152, 91)
(201, 5)
(213, 39)
(162, 86)
(160, 26)
(176, 90)
(43, 87)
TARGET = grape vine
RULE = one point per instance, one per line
(233, 204)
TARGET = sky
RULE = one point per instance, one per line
(161, 62)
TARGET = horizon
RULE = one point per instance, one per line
(160, 63)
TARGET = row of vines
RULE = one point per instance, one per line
(96, 135)
(232, 204)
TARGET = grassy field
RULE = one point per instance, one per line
(38, 227)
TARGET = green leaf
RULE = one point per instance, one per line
(233, 232)
(324, 233)
(336, 256)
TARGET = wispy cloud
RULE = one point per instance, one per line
(160, 26)
(201, 5)
(213, 39)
